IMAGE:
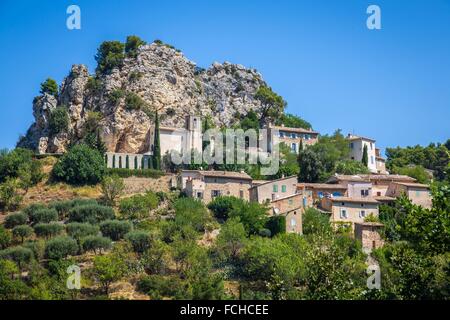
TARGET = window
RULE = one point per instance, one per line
(293, 222)
(364, 193)
(273, 196)
(362, 205)
(215, 193)
(351, 145)
(283, 188)
(114, 161)
(294, 147)
(241, 194)
(417, 193)
(362, 214)
(343, 214)
(320, 194)
(195, 123)
(371, 146)
(293, 135)
(199, 195)
(281, 134)
(275, 188)
(379, 194)
(371, 159)
(290, 202)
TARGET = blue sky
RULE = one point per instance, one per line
(391, 84)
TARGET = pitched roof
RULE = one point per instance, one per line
(355, 200)
(299, 130)
(271, 181)
(371, 177)
(322, 185)
(226, 174)
(355, 137)
(413, 185)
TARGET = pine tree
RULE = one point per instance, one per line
(156, 146)
(365, 157)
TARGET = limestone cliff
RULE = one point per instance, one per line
(163, 78)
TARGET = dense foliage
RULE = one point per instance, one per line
(80, 165)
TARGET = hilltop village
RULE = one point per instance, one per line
(96, 185)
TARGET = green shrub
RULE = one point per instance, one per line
(49, 86)
(15, 219)
(58, 120)
(315, 221)
(5, 237)
(133, 101)
(140, 240)
(116, 95)
(276, 225)
(115, 229)
(94, 243)
(43, 216)
(138, 206)
(109, 55)
(145, 173)
(266, 233)
(22, 232)
(33, 207)
(48, 230)
(158, 287)
(79, 230)
(60, 247)
(223, 205)
(10, 198)
(81, 165)
(19, 255)
(91, 213)
(37, 247)
(94, 85)
(132, 45)
(112, 187)
(191, 212)
(12, 161)
(63, 207)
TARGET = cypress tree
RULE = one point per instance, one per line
(365, 156)
(157, 147)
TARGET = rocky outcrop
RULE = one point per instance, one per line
(164, 80)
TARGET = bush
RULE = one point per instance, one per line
(50, 87)
(138, 206)
(33, 207)
(115, 229)
(15, 219)
(315, 221)
(5, 237)
(132, 45)
(112, 187)
(191, 212)
(94, 243)
(109, 55)
(158, 287)
(81, 165)
(223, 205)
(10, 199)
(140, 240)
(145, 173)
(19, 255)
(43, 216)
(133, 101)
(266, 233)
(91, 213)
(252, 215)
(58, 120)
(276, 225)
(60, 247)
(48, 230)
(79, 230)
(22, 232)
(38, 248)
(63, 207)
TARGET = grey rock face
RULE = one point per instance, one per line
(164, 79)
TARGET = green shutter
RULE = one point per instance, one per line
(275, 188)
(283, 188)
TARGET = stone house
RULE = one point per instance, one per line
(357, 144)
(292, 137)
(369, 233)
(319, 190)
(292, 207)
(418, 193)
(206, 185)
(348, 211)
(273, 190)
